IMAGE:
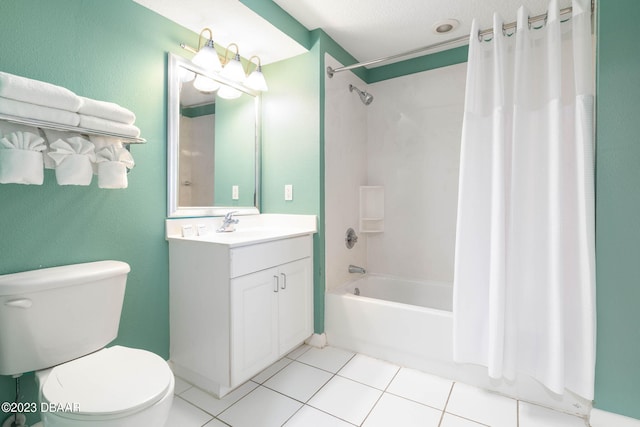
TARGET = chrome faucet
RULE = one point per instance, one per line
(228, 223)
(356, 269)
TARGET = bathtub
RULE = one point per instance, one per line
(410, 323)
(406, 322)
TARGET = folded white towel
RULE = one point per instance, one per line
(96, 123)
(52, 136)
(23, 141)
(101, 142)
(106, 110)
(37, 92)
(32, 111)
(73, 158)
(113, 163)
(21, 159)
(7, 128)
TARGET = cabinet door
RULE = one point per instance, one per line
(254, 323)
(295, 303)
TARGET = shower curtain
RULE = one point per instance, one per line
(524, 287)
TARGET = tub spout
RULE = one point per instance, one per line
(356, 269)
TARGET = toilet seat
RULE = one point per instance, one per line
(111, 382)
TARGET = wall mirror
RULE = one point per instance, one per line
(213, 145)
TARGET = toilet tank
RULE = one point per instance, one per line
(53, 315)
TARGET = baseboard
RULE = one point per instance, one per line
(600, 418)
(317, 340)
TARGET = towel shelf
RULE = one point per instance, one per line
(56, 126)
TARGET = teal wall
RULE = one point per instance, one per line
(618, 208)
(291, 151)
(115, 51)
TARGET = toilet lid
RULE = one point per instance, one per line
(109, 381)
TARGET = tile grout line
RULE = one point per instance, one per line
(379, 397)
(453, 383)
(333, 375)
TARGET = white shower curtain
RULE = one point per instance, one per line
(524, 288)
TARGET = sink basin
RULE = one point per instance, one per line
(250, 229)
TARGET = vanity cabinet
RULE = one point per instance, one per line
(234, 310)
(270, 315)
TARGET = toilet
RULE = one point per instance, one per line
(57, 321)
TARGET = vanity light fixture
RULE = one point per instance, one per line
(233, 67)
(232, 70)
(205, 84)
(207, 58)
(256, 80)
(228, 92)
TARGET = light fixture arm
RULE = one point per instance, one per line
(226, 52)
(200, 37)
(258, 66)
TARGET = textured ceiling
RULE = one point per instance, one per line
(367, 29)
(371, 29)
(231, 22)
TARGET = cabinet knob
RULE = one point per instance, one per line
(284, 281)
(276, 283)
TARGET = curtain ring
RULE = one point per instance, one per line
(544, 23)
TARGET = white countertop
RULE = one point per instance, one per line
(249, 230)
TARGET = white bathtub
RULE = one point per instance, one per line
(410, 323)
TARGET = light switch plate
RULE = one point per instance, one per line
(288, 192)
(235, 192)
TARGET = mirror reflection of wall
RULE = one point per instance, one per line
(215, 160)
(197, 143)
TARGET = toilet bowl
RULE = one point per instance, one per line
(71, 313)
(113, 387)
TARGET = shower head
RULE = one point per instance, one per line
(365, 96)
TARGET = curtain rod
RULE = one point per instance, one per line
(331, 71)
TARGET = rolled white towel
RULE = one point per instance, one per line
(21, 160)
(106, 110)
(26, 110)
(73, 158)
(113, 163)
(37, 92)
(104, 125)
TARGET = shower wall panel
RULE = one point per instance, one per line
(414, 126)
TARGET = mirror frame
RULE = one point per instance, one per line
(173, 143)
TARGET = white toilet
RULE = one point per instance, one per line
(57, 321)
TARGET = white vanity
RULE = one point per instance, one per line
(239, 301)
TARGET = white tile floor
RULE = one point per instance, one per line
(331, 387)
